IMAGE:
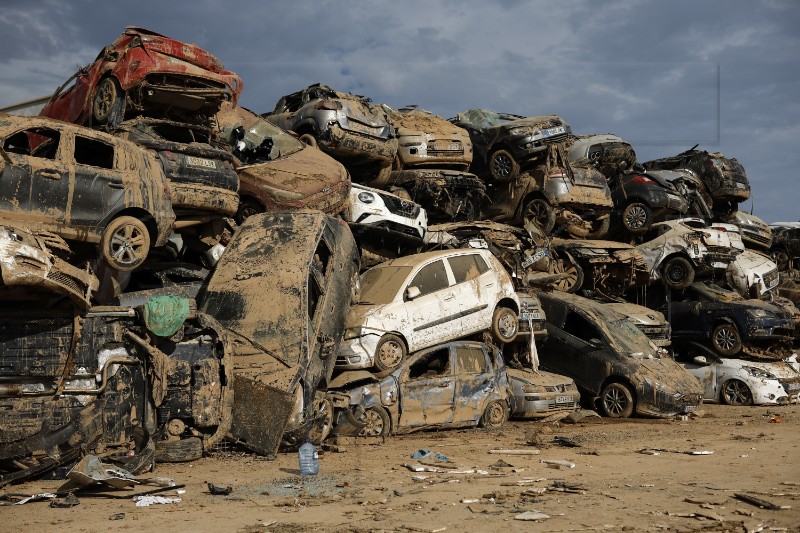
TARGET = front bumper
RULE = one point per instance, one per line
(351, 144)
(357, 353)
(543, 404)
(661, 403)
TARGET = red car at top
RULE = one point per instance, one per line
(140, 72)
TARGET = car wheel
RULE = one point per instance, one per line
(467, 211)
(178, 451)
(541, 214)
(248, 208)
(107, 97)
(726, 339)
(323, 421)
(574, 279)
(678, 273)
(599, 228)
(505, 325)
(637, 217)
(309, 139)
(616, 400)
(495, 415)
(735, 392)
(503, 166)
(125, 243)
(377, 422)
(390, 353)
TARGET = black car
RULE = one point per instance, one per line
(641, 198)
(724, 178)
(504, 143)
(699, 313)
(612, 361)
(785, 247)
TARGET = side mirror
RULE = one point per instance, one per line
(412, 292)
(700, 360)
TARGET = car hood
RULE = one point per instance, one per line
(529, 124)
(419, 123)
(779, 369)
(639, 315)
(360, 314)
(668, 375)
(540, 377)
(307, 172)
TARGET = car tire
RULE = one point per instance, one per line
(178, 451)
(637, 217)
(616, 400)
(323, 421)
(541, 214)
(390, 352)
(678, 273)
(599, 228)
(726, 339)
(495, 415)
(247, 208)
(378, 422)
(735, 392)
(467, 211)
(309, 139)
(505, 325)
(502, 166)
(125, 243)
(571, 283)
(108, 98)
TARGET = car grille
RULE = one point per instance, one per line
(398, 206)
(771, 278)
(656, 332)
(445, 148)
(552, 406)
(759, 238)
(398, 228)
(65, 281)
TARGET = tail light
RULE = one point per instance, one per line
(331, 105)
(642, 179)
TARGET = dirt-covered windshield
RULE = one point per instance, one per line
(630, 340)
(379, 285)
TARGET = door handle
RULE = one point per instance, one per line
(116, 184)
(50, 174)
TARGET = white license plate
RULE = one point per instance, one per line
(533, 315)
(531, 259)
(563, 399)
(549, 132)
(448, 147)
(200, 162)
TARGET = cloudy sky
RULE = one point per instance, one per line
(665, 76)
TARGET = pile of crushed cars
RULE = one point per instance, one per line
(177, 270)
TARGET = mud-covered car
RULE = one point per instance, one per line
(752, 274)
(504, 144)
(756, 233)
(84, 185)
(785, 247)
(446, 195)
(417, 301)
(531, 317)
(707, 314)
(606, 269)
(144, 71)
(605, 151)
(651, 323)
(641, 198)
(458, 384)
(724, 178)
(571, 197)
(427, 140)
(277, 172)
(677, 250)
(282, 289)
(740, 381)
(612, 361)
(346, 126)
(384, 221)
(540, 394)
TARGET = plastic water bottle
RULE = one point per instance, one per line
(309, 460)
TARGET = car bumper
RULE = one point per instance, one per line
(540, 405)
(204, 198)
(348, 143)
(357, 353)
(661, 403)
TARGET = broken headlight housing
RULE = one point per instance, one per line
(758, 372)
(366, 197)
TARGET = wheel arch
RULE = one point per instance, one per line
(616, 378)
(509, 303)
(140, 214)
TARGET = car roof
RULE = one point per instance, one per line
(416, 259)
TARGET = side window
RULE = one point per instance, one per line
(467, 267)
(554, 312)
(93, 153)
(36, 142)
(314, 296)
(431, 278)
(434, 364)
(471, 360)
(579, 327)
(322, 257)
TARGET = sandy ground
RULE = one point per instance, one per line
(612, 487)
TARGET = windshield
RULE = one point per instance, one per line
(484, 118)
(630, 340)
(379, 285)
(263, 142)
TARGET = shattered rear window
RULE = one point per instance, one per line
(283, 143)
(380, 285)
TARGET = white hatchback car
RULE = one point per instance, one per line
(418, 301)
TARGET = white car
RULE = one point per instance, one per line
(373, 209)
(651, 323)
(421, 300)
(676, 249)
(753, 274)
(742, 382)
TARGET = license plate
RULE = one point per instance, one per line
(447, 147)
(532, 315)
(531, 259)
(200, 162)
(549, 132)
(563, 399)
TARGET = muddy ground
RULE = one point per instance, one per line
(612, 487)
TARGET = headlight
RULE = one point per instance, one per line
(758, 372)
(366, 197)
(353, 333)
(759, 312)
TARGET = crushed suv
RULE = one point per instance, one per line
(426, 140)
(348, 127)
(84, 185)
(606, 152)
(144, 71)
(504, 144)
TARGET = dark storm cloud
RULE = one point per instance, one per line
(664, 75)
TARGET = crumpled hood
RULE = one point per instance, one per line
(530, 124)
(307, 172)
(669, 375)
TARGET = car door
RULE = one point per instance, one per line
(475, 383)
(99, 184)
(580, 357)
(705, 372)
(34, 180)
(434, 314)
(475, 289)
(427, 389)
